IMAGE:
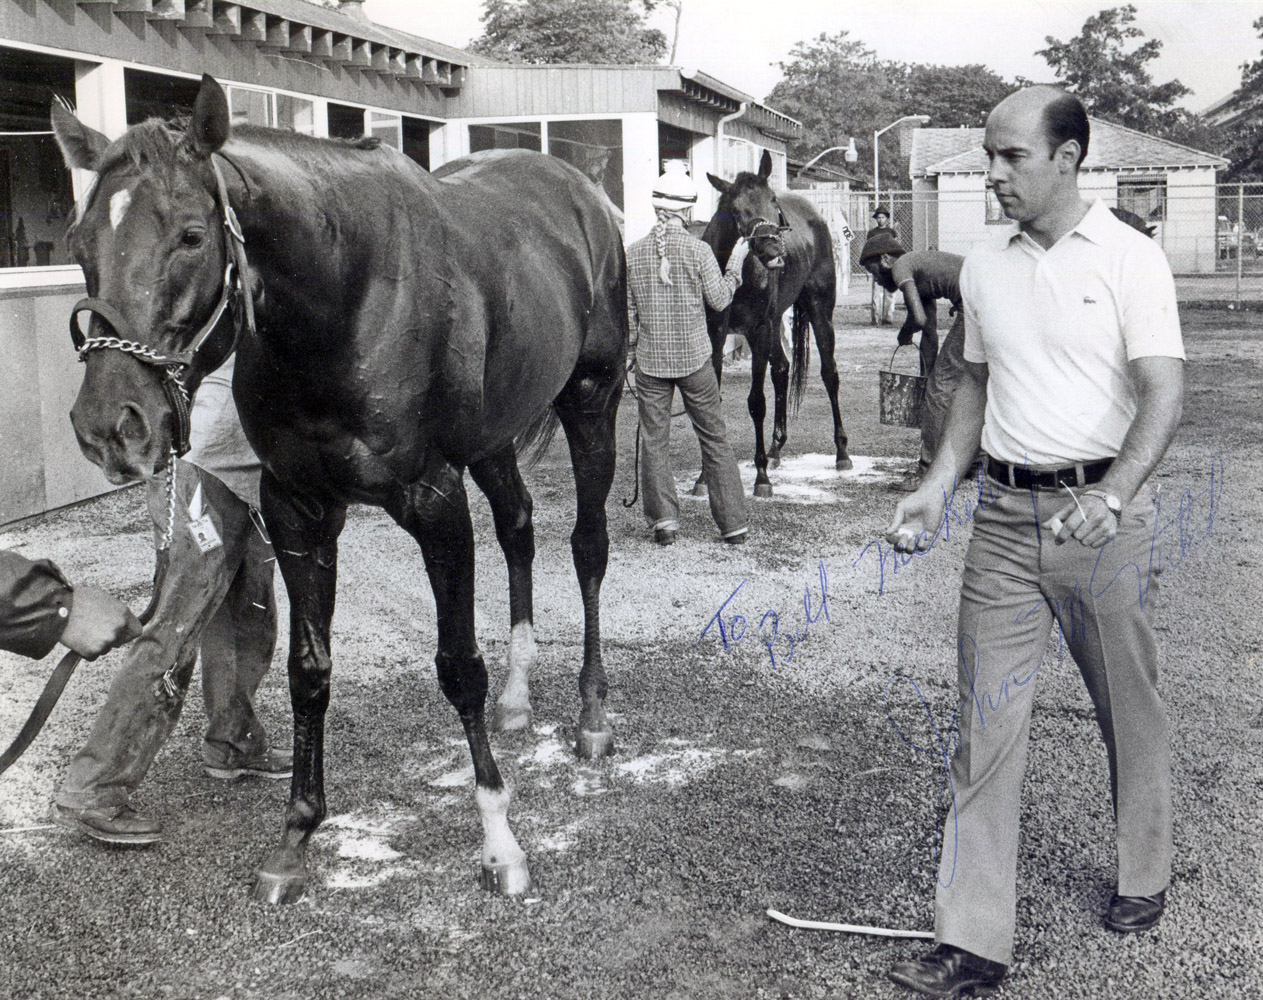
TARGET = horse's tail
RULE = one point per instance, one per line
(533, 443)
(801, 330)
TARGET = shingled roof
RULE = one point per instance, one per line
(1112, 147)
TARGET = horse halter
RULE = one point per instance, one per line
(235, 289)
(761, 228)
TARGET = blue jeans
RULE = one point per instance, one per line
(700, 392)
(1017, 583)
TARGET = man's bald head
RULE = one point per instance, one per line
(1063, 116)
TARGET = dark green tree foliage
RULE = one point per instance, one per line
(837, 88)
(1111, 79)
(953, 96)
(569, 31)
(1244, 137)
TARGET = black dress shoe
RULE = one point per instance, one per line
(949, 971)
(1130, 914)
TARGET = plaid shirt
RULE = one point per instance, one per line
(668, 322)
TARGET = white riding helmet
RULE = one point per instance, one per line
(675, 190)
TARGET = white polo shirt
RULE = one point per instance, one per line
(1056, 329)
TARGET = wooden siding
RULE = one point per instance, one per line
(97, 30)
(508, 92)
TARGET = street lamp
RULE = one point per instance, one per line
(920, 120)
(852, 155)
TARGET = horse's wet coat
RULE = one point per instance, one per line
(409, 326)
(804, 280)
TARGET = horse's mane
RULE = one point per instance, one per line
(162, 144)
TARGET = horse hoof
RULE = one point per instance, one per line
(843, 464)
(762, 489)
(511, 720)
(699, 490)
(774, 461)
(509, 879)
(278, 890)
(594, 746)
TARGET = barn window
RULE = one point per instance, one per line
(505, 135)
(250, 107)
(155, 95)
(386, 126)
(995, 211)
(296, 114)
(416, 140)
(345, 121)
(595, 147)
(1145, 196)
(36, 199)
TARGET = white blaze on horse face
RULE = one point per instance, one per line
(120, 201)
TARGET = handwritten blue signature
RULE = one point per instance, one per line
(731, 628)
(960, 507)
(1173, 538)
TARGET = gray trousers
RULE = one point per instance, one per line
(946, 372)
(1017, 582)
(222, 601)
(700, 392)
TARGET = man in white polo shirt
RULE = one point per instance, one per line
(1074, 388)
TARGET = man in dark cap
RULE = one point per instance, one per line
(883, 302)
(924, 277)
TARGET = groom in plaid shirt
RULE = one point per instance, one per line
(669, 276)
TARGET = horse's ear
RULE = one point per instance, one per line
(718, 183)
(211, 123)
(765, 165)
(80, 146)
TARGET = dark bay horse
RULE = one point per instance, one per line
(406, 326)
(800, 275)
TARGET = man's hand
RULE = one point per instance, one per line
(740, 250)
(98, 622)
(1094, 530)
(916, 519)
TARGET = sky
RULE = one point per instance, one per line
(740, 41)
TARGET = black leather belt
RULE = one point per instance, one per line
(1024, 477)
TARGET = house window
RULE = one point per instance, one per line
(1145, 196)
(505, 135)
(36, 199)
(596, 148)
(995, 211)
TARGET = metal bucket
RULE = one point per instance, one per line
(900, 395)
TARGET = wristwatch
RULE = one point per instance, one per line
(1112, 502)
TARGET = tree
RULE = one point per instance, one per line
(561, 31)
(1244, 132)
(953, 96)
(1112, 81)
(838, 89)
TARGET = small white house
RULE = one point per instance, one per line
(1170, 186)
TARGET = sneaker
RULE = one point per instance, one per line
(264, 764)
(665, 536)
(113, 825)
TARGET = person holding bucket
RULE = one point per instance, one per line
(1074, 387)
(924, 277)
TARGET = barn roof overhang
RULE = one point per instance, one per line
(705, 90)
(316, 34)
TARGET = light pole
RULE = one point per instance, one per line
(919, 119)
(852, 155)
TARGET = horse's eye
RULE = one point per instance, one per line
(193, 237)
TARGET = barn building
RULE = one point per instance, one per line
(325, 72)
(1170, 186)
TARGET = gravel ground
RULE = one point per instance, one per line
(738, 784)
